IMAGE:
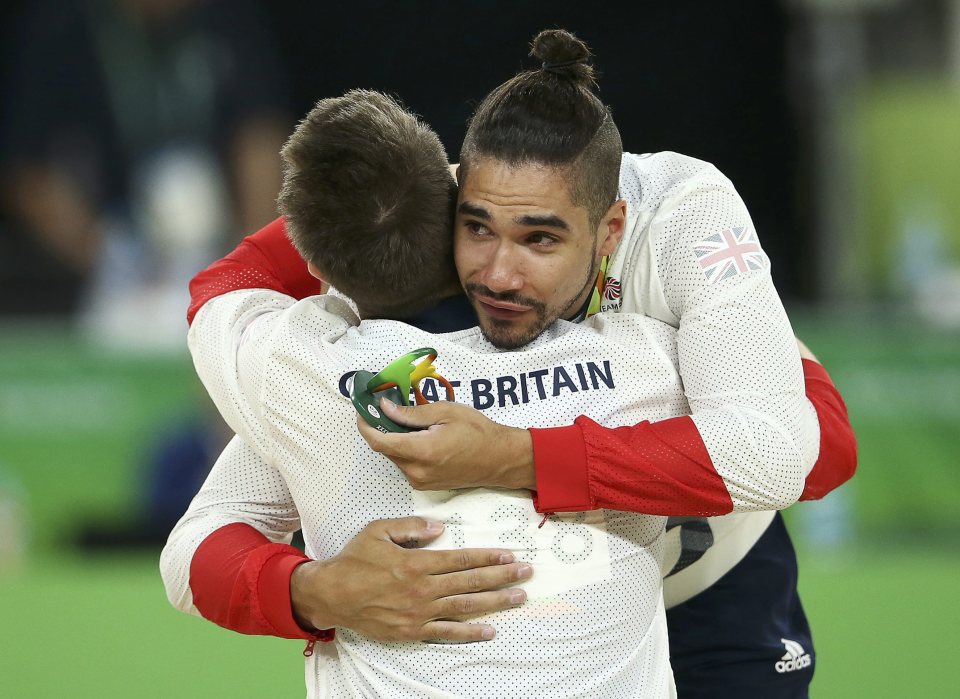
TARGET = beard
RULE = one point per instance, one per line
(512, 334)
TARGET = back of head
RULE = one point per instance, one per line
(368, 198)
(551, 116)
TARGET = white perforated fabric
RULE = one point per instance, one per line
(276, 376)
(691, 258)
(736, 354)
(239, 477)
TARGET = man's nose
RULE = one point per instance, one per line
(502, 271)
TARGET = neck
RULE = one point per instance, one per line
(591, 294)
(582, 311)
(452, 290)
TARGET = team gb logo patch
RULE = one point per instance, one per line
(611, 289)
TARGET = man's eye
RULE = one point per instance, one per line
(475, 228)
(541, 239)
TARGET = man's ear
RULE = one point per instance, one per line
(314, 272)
(455, 171)
(612, 226)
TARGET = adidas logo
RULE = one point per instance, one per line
(796, 658)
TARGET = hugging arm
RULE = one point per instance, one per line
(766, 429)
(229, 561)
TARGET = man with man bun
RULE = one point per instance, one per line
(542, 145)
(567, 272)
(276, 368)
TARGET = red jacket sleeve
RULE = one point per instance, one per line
(241, 580)
(663, 468)
(837, 461)
(264, 260)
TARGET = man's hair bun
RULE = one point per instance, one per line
(563, 54)
(551, 115)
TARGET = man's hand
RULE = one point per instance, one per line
(460, 448)
(382, 588)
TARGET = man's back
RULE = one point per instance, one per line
(588, 567)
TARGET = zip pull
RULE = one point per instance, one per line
(308, 650)
(546, 516)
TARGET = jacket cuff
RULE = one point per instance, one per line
(837, 460)
(560, 462)
(273, 592)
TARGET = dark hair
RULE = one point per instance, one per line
(551, 116)
(368, 198)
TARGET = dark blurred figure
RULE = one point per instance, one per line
(138, 137)
(707, 79)
(172, 466)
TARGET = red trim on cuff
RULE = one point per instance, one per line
(240, 580)
(247, 602)
(216, 570)
(560, 462)
(273, 592)
(837, 461)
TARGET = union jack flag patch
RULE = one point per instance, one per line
(728, 253)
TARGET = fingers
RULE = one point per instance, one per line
(421, 444)
(456, 560)
(402, 594)
(393, 445)
(465, 607)
(406, 531)
(483, 579)
(456, 631)
(455, 610)
(370, 434)
(410, 531)
(417, 416)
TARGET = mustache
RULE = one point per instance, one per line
(473, 288)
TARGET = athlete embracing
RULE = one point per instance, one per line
(538, 204)
(689, 256)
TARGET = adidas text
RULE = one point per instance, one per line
(796, 658)
(783, 666)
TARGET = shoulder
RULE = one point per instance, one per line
(633, 328)
(647, 179)
(675, 201)
(317, 320)
(640, 334)
(269, 317)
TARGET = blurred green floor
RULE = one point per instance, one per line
(103, 628)
(880, 568)
(884, 623)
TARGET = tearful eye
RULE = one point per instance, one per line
(541, 239)
(475, 228)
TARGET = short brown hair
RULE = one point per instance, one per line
(368, 198)
(551, 116)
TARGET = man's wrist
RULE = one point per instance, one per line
(518, 459)
(309, 610)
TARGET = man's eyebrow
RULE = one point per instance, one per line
(547, 220)
(474, 210)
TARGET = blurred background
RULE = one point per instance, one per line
(138, 142)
